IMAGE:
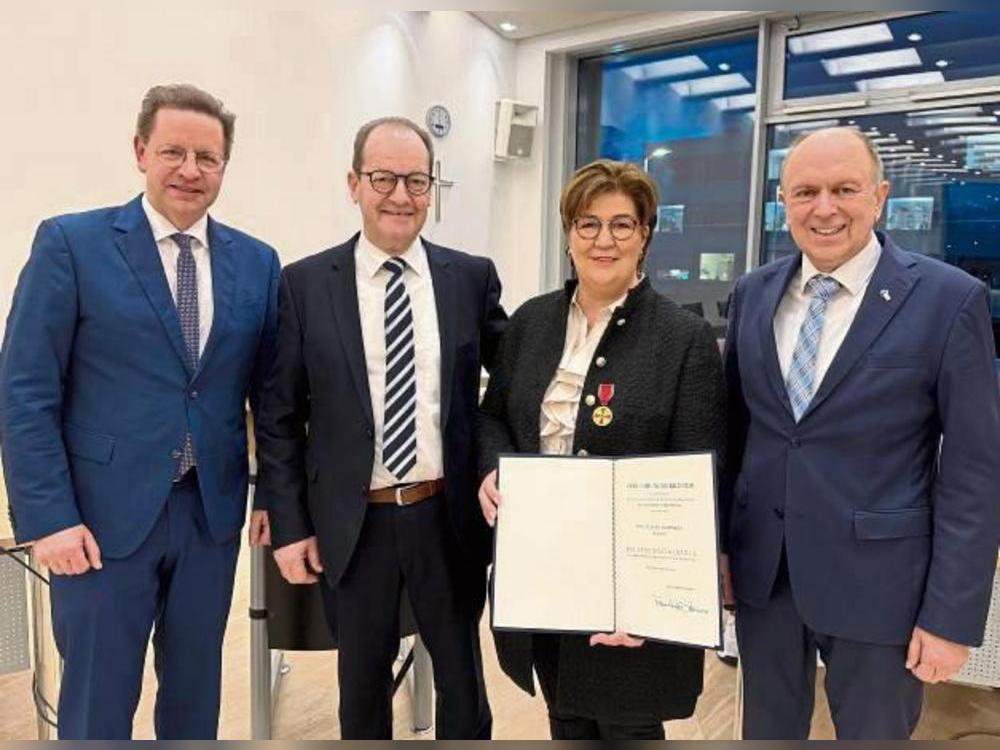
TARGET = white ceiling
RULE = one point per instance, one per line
(535, 23)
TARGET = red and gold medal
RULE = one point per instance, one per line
(603, 415)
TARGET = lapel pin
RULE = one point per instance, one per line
(884, 294)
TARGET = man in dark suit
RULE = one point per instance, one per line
(135, 336)
(365, 450)
(865, 419)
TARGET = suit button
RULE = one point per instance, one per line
(779, 512)
(194, 393)
(795, 442)
(582, 452)
(621, 322)
(600, 361)
(590, 400)
(176, 453)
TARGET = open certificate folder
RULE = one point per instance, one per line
(602, 544)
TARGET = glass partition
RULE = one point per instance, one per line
(685, 114)
(928, 49)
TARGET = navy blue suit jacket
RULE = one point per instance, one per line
(316, 432)
(95, 395)
(886, 526)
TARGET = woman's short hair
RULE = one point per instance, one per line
(607, 176)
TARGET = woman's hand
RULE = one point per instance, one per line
(618, 638)
(489, 497)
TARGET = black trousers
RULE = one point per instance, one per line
(411, 546)
(872, 695)
(563, 726)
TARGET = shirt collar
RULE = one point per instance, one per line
(607, 310)
(852, 275)
(163, 228)
(370, 258)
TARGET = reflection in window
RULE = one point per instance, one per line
(685, 114)
(901, 53)
(943, 166)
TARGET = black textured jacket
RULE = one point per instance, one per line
(668, 397)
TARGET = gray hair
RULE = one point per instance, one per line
(184, 96)
(878, 170)
(366, 130)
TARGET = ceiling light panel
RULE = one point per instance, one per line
(795, 127)
(962, 130)
(711, 85)
(678, 66)
(872, 61)
(827, 41)
(900, 81)
(919, 122)
(741, 101)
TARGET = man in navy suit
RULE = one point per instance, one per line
(365, 438)
(135, 336)
(863, 491)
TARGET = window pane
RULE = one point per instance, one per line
(900, 53)
(685, 114)
(943, 166)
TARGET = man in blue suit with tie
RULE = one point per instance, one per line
(135, 337)
(862, 489)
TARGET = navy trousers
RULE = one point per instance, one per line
(411, 546)
(872, 695)
(179, 583)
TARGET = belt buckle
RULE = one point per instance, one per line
(400, 489)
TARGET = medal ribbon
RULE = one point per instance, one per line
(605, 392)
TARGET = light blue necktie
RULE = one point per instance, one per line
(802, 374)
(187, 311)
(399, 431)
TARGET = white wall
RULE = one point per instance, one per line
(300, 81)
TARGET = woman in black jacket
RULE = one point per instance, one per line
(557, 360)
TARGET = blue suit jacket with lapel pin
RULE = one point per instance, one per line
(886, 494)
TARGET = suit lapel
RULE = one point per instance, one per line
(443, 278)
(136, 244)
(222, 256)
(781, 277)
(893, 279)
(343, 287)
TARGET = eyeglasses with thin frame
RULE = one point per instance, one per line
(383, 181)
(621, 227)
(208, 162)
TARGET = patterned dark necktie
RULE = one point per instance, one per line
(187, 310)
(399, 431)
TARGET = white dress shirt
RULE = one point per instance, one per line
(169, 251)
(371, 281)
(557, 422)
(853, 276)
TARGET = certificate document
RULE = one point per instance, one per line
(602, 544)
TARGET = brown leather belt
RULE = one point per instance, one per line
(407, 494)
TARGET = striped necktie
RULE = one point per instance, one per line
(399, 431)
(187, 311)
(802, 373)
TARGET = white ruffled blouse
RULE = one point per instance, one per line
(557, 423)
